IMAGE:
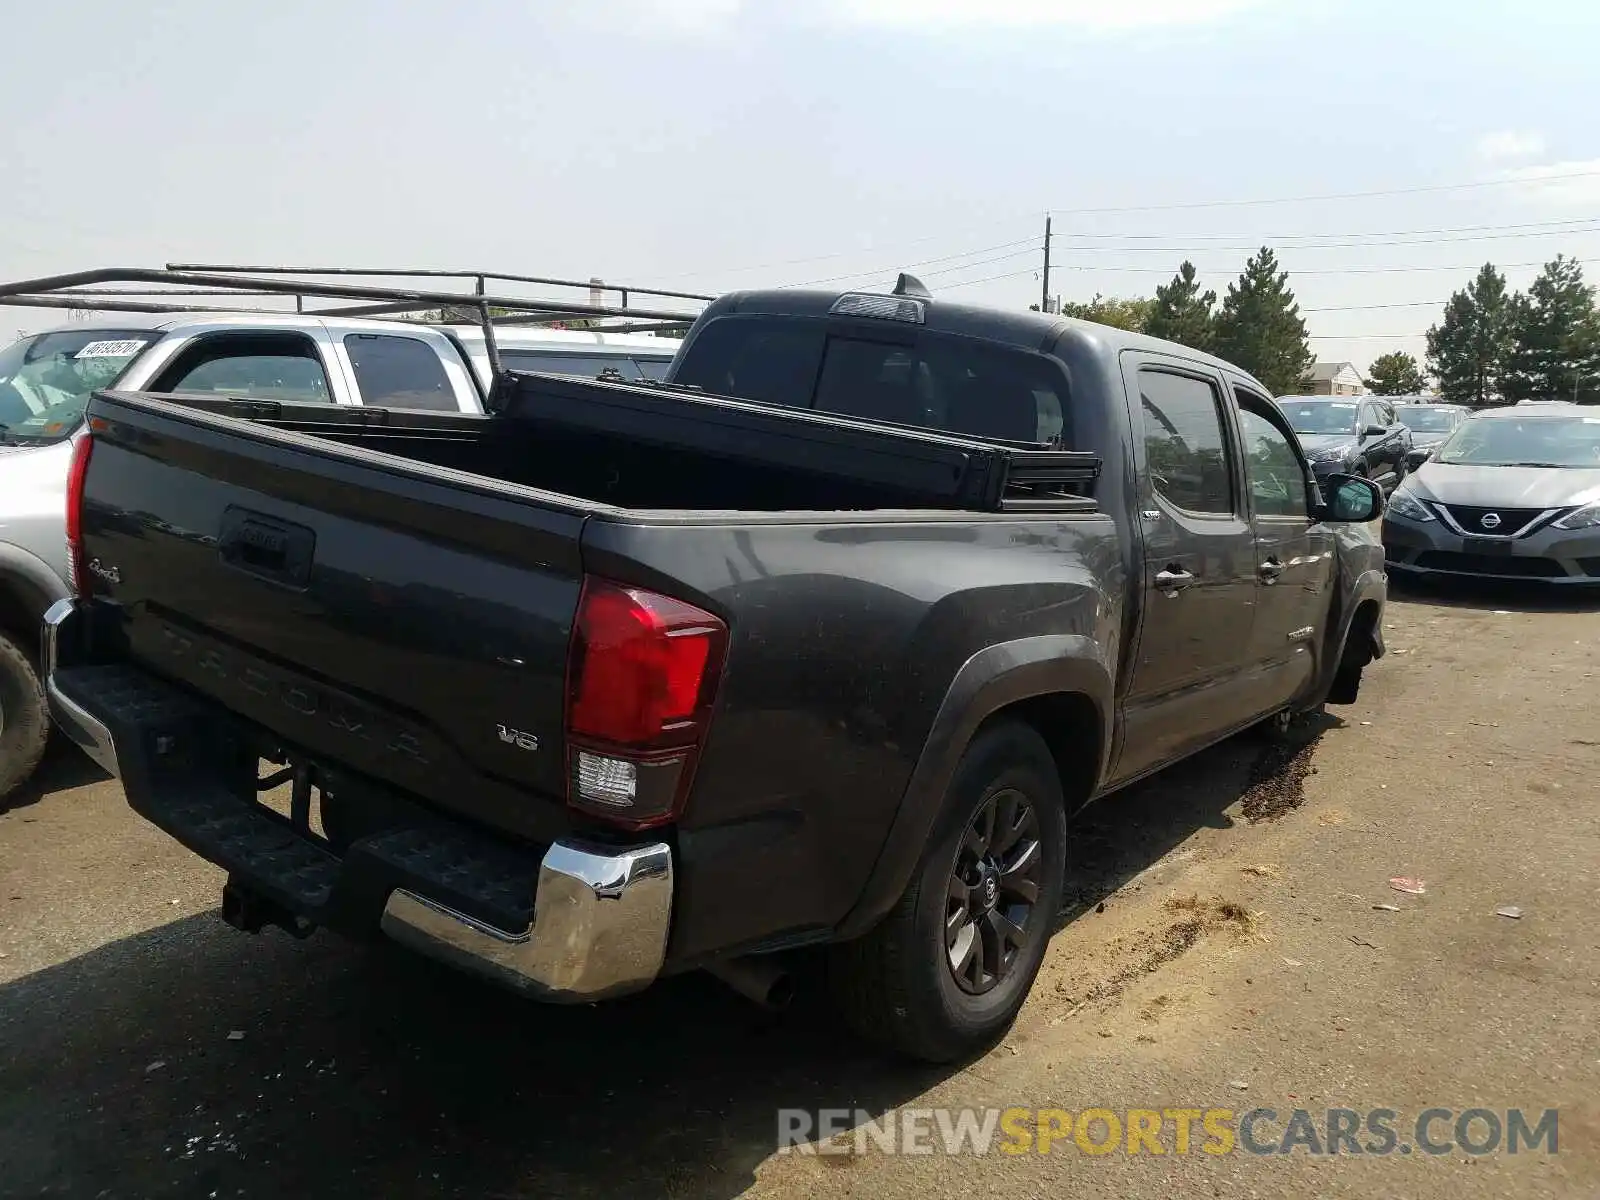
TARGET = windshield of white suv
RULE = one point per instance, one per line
(47, 379)
(1536, 442)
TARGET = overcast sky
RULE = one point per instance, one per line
(712, 144)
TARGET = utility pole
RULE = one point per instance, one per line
(1044, 303)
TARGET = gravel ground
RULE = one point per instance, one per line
(1223, 950)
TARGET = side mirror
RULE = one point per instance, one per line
(1416, 458)
(1374, 431)
(1351, 499)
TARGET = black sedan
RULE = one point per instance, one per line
(1355, 435)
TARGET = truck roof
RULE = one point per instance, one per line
(1025, 330)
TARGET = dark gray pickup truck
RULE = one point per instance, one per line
(817, 644)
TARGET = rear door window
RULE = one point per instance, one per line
(1272, 467)
(1185, 441)
(399, 372)
(268, 366)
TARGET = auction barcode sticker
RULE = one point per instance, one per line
(122, 349)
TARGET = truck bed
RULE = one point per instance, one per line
(645, 447)
(385, 592)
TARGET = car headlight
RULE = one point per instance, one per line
(1336, 454)
(1587, 517)
(1405, 504)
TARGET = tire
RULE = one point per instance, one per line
(898, 985)
(1353, 658)
(24, 719)
(1346, 683)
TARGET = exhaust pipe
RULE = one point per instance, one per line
(758, 978)
(250, 912)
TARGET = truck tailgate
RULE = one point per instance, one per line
(407, 623)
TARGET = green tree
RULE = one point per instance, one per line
(1396, 374)
(1555, 338)
(1122, 313)
(1260, 327)
(1182, 313)
(1469, 347)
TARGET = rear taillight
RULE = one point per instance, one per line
(642, 671)
(82, 448)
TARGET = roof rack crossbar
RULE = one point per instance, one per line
(430, 273)
(287, 287)
(111, 293)
(136, 306)
(81, 290)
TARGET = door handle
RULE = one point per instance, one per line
(1173, 580)
(1270, 570)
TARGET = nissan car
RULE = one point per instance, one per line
(1513, 493)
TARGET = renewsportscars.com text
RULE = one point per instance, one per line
(1342, 1132)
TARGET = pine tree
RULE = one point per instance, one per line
(1182, 313)
(1555, 338)
(1122, 313)
(1260, 327)
(1396, 374)
(1468, 349)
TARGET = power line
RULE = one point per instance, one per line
(1361, 337)
(1405, 191)
(1030, 252)
(1191, 205)
(1028, 246)
(792, 262)
(876, 271)
(1371, 307)
(1331, 270)
(991, 278)
(1274, 239)
(1278, 244)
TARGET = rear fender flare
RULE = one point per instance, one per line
(28, 587)
(993, 679)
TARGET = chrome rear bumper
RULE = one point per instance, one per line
(600, 922)
(601, 913)
(90, 734)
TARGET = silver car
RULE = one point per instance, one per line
(1513, 493)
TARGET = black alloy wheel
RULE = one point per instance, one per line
(993, 893)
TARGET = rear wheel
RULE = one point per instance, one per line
(944, 974)
(24, 720)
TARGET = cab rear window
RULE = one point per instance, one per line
(931, 380)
